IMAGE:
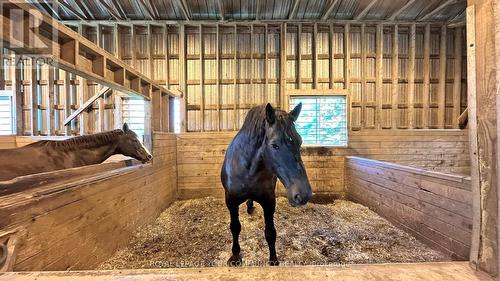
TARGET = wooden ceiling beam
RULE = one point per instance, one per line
(145, 9)
(429, 15)
(85, 10)
(365, 11)
(183, 8)
(115, 14)
(294, 11)
(119, 8)
(401, 10)
(71, 10)
(329, 11)
(220, 5)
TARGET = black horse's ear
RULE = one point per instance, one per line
(270, 114)
(125, 127)
(296, 111)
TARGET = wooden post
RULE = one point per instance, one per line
(427, 47)
(442, 78)
(347, 57)
(182, 78)
(331, 56)
(363, 77)
(457, 76)
(283, 65)
(483, 62)
(395, 77)
(235, 64)
(315, 56)
(219, 70)
(411, 78)
(379, 74)
(202, 76)
(299, 59)
(34, 97)
(20, 127)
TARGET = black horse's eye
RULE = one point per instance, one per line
(290, 139)
(275, 146)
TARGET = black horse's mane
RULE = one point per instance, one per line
(86, 141)
(255, 122)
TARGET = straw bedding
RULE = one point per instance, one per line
(194, 233)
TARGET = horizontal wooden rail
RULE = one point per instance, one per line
(69, 51)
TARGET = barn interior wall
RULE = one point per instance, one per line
(399, 76)
(200, 157)
(435, 208)
(83, 224)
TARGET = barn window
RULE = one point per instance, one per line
(133, 113)
(6, 113)
(323, 119)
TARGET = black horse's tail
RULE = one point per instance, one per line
(250, 207)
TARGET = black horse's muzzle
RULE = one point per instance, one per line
(299, 195)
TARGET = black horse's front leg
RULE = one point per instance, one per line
(270, 231)
(235, 226)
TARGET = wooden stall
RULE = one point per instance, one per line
(184, 74)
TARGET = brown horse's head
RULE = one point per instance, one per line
(282, 154)
(129, 145)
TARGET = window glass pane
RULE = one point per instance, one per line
(323, 119)
(6, 118)
(133, 114)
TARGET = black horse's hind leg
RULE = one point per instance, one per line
(270, 231)
(250, 207)
(235, 226)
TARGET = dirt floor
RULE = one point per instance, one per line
(195, 233)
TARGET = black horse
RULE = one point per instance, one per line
(266, 147)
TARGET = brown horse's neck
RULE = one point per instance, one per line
(89, 149)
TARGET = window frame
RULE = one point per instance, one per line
(10, 94)
(323, 93)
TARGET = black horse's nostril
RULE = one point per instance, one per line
(150, 157)
(298, 199)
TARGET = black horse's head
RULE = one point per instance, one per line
(282, 154)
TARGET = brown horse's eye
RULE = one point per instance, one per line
(275, 146)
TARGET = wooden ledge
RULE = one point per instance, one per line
(456, 271)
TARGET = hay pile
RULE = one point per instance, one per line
(195, 233)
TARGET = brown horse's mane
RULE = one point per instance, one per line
(80, 142)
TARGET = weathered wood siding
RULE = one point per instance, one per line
(200, 157)
(436, 208)
(78, 225)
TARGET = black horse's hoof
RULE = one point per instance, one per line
(234, 260)
(274, 261)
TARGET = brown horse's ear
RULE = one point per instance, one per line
(296, 111)
(270, 114)
(125, 127)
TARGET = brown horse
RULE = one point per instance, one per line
(50, 155)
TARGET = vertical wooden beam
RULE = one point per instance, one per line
(442, 78)
(283, 65)
(380, 72)
(347, 57)
(483, 61)
(457, 76)
(219, 70)
(34, 97)
(67, 102)
(19, 114)
(395, 77)
(299, 60)
(427, 46)
(411, 78)
(202, 77)
(2, 70)
(182, 78)
(331, 57)
(363, 76)
(315, 56)
(51, 107)
(235, 64)
(266, 80)
(166, 73)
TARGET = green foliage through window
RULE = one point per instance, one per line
(323, 119)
